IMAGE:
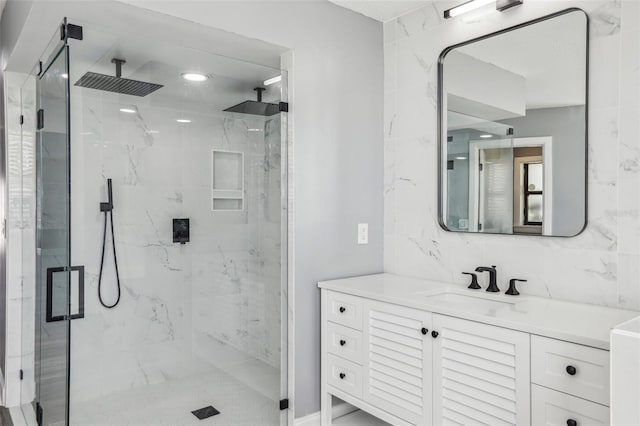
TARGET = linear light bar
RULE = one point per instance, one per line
(273, 80)
(501, 5)
(465, 7)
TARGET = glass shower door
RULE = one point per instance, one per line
(59, 287)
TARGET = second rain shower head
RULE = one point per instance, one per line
(256, 107)
(117, 84)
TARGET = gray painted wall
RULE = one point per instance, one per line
(567, 128)
(337, 109)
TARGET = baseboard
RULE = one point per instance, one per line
(313, 419)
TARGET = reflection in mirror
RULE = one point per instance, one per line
(513, 130)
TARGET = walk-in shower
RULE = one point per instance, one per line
(195, 272)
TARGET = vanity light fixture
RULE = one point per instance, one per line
(128, 110)
(461, 158)
(273, 80)
(183, 120)
(501, 5)
(194, 76)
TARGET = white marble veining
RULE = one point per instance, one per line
(572, 322)
(601, 266)
(220, 289)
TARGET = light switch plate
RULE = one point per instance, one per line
(363, 233)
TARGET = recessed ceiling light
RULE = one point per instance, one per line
(486, 136)
(194, 76)
(64, 75)
(128, 110)
(183, 120)
(273, 80)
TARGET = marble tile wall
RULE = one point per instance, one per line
(178, 301)
(600, 266)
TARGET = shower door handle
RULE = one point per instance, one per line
(50, 317)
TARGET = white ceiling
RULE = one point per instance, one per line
(381, 10)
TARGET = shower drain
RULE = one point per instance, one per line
(205, 412)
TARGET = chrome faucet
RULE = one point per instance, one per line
(493, 277)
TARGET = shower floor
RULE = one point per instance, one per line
(246, 398)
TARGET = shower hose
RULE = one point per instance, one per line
(108, 216)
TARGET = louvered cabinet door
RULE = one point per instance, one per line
(398, 356)
(480, 374)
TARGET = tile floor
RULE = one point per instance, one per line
(249, 398)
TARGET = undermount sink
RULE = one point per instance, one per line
(463, 301)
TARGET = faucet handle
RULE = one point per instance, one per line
(513, 291)
(474, 280)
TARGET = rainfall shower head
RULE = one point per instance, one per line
(117, 84)
(256, 107)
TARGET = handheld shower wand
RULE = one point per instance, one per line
(107, 208)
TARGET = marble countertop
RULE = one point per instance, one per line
(573, 322)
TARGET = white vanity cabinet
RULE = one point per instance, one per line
(480, 374)
(417, 366)
(410, 366)
(398, 360)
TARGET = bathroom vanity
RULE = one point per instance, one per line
(416, 352)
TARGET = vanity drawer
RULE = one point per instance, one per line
(575, 369)
(344, 342)
(549, 407)
(344, 309)
(344, 375)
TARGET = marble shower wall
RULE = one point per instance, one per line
(600, 266)
(181, 304)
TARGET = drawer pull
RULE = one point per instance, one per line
(571, 370)
(424, 331)
(572, 422)
(342, 309)
(434, 334)
(343, 342)
(342, 376)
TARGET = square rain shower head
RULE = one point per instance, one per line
(255, 108)
(109, 83)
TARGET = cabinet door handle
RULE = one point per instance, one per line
(571, 370)
(342, 376)
(424, 331)
(572, 422)
(343, 342)
(342, 309)
(434, 334)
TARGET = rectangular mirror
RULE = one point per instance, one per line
(513, 130)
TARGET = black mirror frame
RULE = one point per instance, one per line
(442, 117)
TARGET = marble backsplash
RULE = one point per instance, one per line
(600, 266)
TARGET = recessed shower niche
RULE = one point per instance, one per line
(227, 180)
